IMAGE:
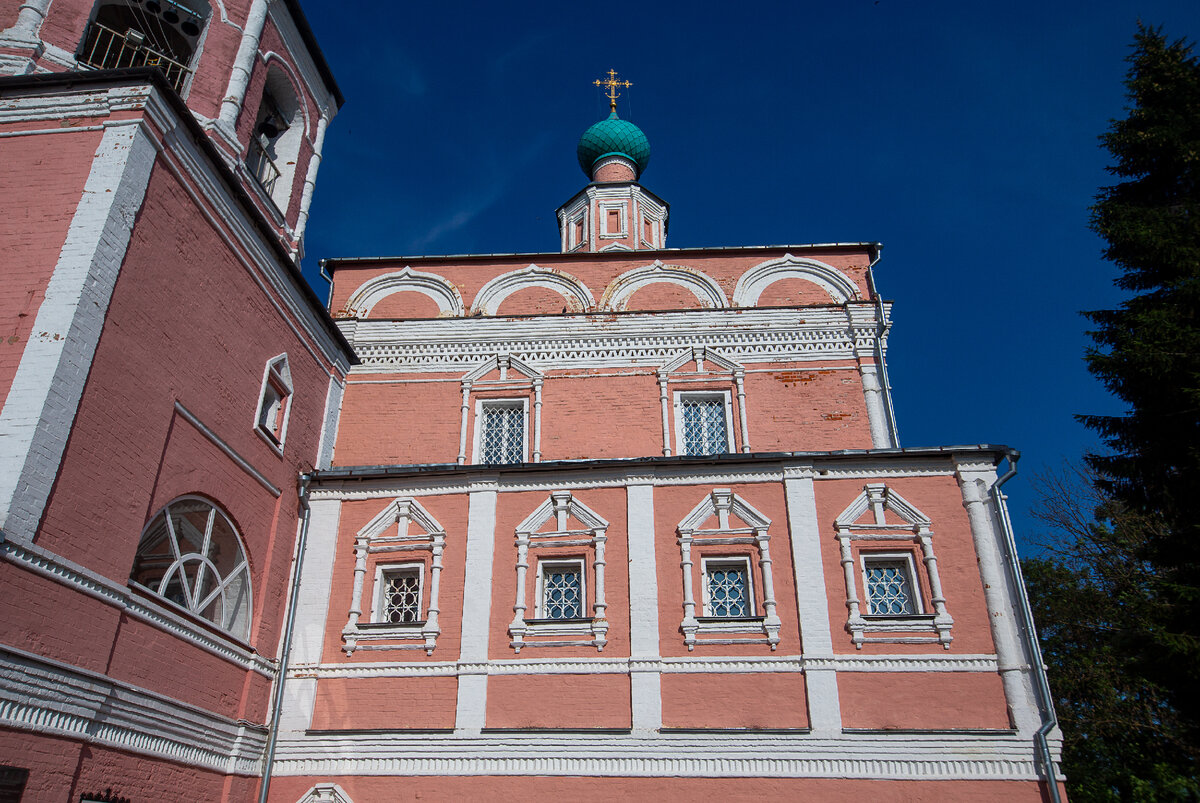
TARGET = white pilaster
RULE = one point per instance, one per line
(877, 417)
(312, 611)
(239, 77)
(644, 664)
(333, 412)
(1013, 664)
(49, 382)
(471, 710)
(812, 600)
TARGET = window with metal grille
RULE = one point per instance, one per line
(400, 596)
(727, 589)
(502, 433)
(703, 425)
(562, 590)
(889, 587)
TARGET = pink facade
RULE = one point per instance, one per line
(151, 306)
(620, 520)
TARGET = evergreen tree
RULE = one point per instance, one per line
(1147, 353)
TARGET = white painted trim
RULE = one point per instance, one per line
(577, 295)
(480, 404)
(718, 562)
(381, 569)
(757, 279)
(648, 339)
(48, 697)
(1015, 669)
(372, 291)
(471, 708)
(389, 532)
(877, 498)
(702, 395)
(603, 208)
(645, 683)
(326, 793)
(539, 593)
(329, 427)
(690, 664)
(905, 558)
(45, 392)
(700, 284)
(277, 367)
(998, 755)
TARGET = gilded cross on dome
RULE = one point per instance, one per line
(611, 83)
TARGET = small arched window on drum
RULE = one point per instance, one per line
(191, 555)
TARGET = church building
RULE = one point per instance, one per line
(618, 521)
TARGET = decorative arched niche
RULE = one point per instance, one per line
(444, 294)
(754, 281)
(707, 292)
(576, 296)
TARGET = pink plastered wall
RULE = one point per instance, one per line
(939, 499)
(576, 702)
(922, 700)
(385, 703)
(50, 172)
(798, 407)
(130, 451)
(451, 512)
(671, 505)
(522, 788)
(788, 408)
(511, 509)
(755, 701)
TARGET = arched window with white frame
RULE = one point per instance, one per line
(190, 554)
(274, 148)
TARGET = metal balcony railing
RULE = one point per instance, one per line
(261, 166)
(103, 48)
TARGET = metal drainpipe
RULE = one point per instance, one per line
(1049, 718)
(883, 373)
(288, 628)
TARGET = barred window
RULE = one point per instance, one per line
(703, 424)
(727, 589)
(889, 587)
(399, 600)
(561, 590)
(501, 432)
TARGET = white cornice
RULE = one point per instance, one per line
(49, 697)
(747, 336)
(901, 756)
(686, 665)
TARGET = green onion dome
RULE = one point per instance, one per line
(613, 136)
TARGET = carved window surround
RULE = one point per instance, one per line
(702, 380)
(884, 538)
(528, 382)
(721, 503)
(591, 538)
(388, 534)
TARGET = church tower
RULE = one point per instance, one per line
(165, 372)
(613, 212)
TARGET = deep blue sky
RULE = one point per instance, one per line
(961, 135)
